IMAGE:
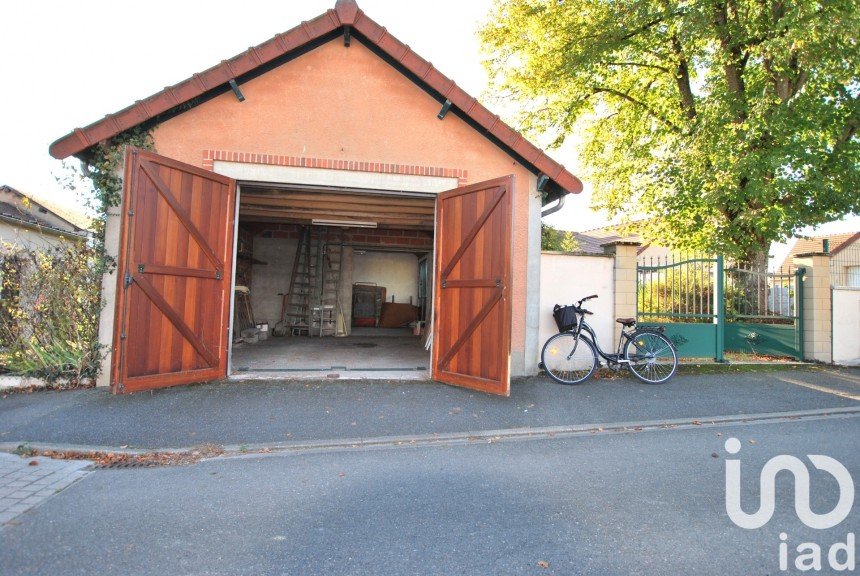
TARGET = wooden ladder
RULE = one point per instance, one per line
(312, 303)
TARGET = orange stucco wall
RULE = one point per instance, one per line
(346, 103)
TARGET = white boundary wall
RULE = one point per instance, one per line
(566, 278)
(846, 326)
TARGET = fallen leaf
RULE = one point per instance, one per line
(341, 474)
(34, 463)
(719, 433)
(697, 423)
(714, 455)
(753, 442)
(543, 564)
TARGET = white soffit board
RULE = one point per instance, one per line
(338, 178)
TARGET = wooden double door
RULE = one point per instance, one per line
(172, 321)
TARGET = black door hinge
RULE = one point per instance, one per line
(127, 280)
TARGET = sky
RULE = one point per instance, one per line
(65, 64)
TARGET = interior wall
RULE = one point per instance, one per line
(397, 271)
(271, 279)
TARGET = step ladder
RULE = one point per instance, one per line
(311, 305)
(297, 307)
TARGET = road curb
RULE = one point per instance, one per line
(487, 436)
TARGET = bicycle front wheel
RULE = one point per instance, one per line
(651, 357)
(568, 359)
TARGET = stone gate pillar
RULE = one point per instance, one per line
(817, 315)
(624, 283)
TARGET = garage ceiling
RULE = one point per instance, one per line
(260, 204)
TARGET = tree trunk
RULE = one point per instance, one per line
(751, 282)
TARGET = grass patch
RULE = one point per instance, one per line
(695, 369)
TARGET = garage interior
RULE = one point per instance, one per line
(332, 282)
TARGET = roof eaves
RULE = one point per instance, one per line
(43, 227)
(345, 14)
(198, 84)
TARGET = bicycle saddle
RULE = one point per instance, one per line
(626, 322)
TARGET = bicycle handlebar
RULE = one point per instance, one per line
(579, 307)
(578, 304)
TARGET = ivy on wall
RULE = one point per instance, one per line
(104, 168)
(99, 180)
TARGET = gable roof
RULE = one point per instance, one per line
(348, 19)
(810, 244)
(34, 214)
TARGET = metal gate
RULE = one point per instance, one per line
(708, 309)
(763, 312)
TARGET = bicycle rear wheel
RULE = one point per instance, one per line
(652, 357)
(568, 360)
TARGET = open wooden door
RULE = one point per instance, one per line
(472, 305)
(175, 266)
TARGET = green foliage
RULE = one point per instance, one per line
(555, 240)
(729, 123)
(49, 313)
(99, 179)
(52, 300)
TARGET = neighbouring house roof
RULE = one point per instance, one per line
(810, 244)
(24, 210)
(592, 241)
(345, 19)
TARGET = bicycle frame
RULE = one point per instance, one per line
(610, 358)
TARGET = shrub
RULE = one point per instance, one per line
(49, 313)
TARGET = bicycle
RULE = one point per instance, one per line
(570, 357)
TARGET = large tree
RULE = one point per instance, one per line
(727, 123)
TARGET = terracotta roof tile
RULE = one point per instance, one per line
(809, 244)
(346, 13)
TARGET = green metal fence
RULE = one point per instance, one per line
(707, 308)
(681, 295)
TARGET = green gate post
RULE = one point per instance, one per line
(798, 310)
(720, 310)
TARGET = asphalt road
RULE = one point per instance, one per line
(272, 412)
(651, 502)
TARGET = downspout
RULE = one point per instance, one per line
(555, 208)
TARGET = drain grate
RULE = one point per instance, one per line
(125, 465)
